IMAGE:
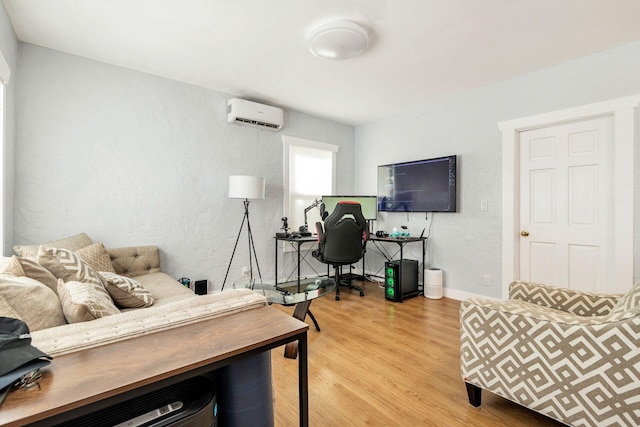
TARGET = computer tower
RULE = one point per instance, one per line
(400, 279)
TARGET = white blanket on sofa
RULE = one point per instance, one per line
(78, 336)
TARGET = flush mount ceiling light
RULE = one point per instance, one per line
(338, 40)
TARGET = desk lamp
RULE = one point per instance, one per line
(245, 187)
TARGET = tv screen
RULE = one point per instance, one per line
(419, 186)
(368, 204)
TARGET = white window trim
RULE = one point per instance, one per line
(5, 75)
(5, 71)
(292, 140)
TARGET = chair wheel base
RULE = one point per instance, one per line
(361, 293)
(337, 297)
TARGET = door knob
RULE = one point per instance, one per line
(524, 233)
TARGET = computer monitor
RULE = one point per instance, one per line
(369, 204)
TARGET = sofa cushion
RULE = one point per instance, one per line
(164, 288)
(67, 265)
(35, 303)
(72, 243)
(125, 291)
(21, 267)
(97, 257)
(81, 303)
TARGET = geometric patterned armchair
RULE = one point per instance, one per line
(571, 355)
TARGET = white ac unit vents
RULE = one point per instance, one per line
(250, 113)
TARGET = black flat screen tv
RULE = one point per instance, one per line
(419, 186)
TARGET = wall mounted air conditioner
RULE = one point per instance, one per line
(250, 113)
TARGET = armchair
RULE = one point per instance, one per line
(570, 355)
(342, 240)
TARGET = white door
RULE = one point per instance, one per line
(566, 204)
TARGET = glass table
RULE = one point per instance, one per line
(298, 293)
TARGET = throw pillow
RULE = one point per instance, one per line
(125, 291)
(82, 303)
(628, 301)
(7, 311)
(72, 243)
(35, 303)
(29, 268)
(67, 265)
(97, 257)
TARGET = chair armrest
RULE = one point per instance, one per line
(569, 300)
(320, 232)
(136, 260)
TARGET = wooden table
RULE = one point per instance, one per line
(85, 381)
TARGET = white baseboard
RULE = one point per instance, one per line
(462, 295)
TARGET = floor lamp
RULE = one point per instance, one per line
(245, 187)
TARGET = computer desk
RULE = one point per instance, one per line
(296, 243)
(401, 242)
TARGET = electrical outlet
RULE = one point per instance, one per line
(484, 205)
(486, 280)
(245, 271)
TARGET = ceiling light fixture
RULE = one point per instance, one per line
(338, 40)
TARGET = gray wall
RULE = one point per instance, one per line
(9, 49)
(467, 244)
(132, 159)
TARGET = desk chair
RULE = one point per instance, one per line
(342, 240)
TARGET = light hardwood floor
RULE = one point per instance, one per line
(379, 363)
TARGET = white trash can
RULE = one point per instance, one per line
(433, 283)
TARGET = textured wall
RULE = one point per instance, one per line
(467, 244)
(131, 158)
(9, 49)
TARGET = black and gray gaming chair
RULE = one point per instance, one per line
(342, 240)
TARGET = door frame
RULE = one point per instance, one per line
(623, 112)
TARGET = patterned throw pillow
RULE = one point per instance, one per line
(67, 265)
(97, 257)
(628, 301)
(82, 303)
(125, 291)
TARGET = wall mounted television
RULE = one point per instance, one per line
(419, 186)
(368, 204)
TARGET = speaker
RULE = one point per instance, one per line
(400, 279)
(200, 287)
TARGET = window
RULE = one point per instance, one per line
(309, 172)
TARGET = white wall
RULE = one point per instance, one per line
(467, 244)
(9, 49)
(132, 159)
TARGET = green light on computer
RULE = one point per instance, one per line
(390, 291)
(390, 281)
(389, 271)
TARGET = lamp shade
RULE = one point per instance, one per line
(246, 187)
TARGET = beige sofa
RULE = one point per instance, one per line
(165, 303)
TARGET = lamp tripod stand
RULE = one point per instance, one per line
(252, 248)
